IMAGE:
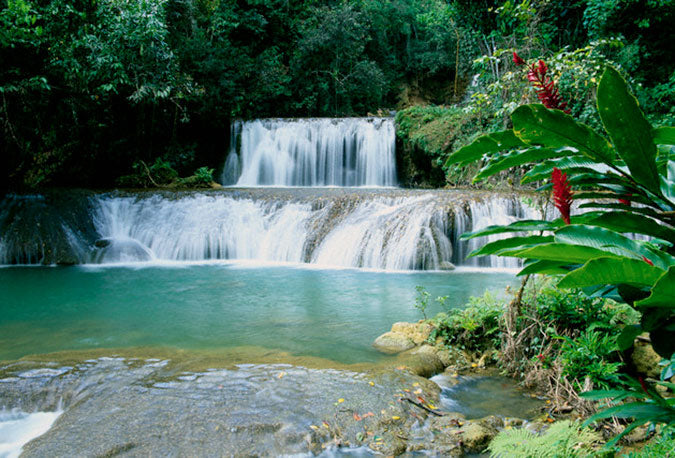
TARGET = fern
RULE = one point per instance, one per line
(562, 439)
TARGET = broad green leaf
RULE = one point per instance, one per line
(518, 226)
(487, 144)
(664, 135)
(628, 335)
(537, 125)
(632, 223)
(572, 165)
(544, 267)
(637, 410)
(628, 128)
(515, 159)
(597, 395)
(618, 206)
(611, 242)
(513, 242)
(663, 292)
(563, 252)
(612, 271)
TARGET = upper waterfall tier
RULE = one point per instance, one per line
(391, 229)
(312, 152)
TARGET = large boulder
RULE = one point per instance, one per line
(417, 332)
(646, 360)
(423, 361)
(392, 343)
(477, 435)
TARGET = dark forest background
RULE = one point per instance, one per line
(87, 88)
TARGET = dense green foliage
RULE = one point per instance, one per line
(630, 164)
(88, 88)
(562, 439)
(474, 327)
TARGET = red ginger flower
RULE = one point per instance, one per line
(547, 92)
(562, 193)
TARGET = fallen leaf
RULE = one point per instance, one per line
(371, 383)
(325, 424)
(418, 391)
(416, 384)
(395, 417)
(281, 374)
(341, 400)
(357, 417)
(369, 414)
(314, 427)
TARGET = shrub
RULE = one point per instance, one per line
(473, 328)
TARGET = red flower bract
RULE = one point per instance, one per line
(547, 92)
(562, 194)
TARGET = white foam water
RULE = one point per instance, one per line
(312, 152)
(17, 428)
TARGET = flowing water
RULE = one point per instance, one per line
(180, 313)
(377, 229)
(312, 152)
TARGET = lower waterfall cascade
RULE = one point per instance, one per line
(386, 229)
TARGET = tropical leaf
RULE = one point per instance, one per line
(512, 242)
(562, 252)
(518, 226)
(628, 128)
(487, 144)
(628, 335)
(611, 242)
(664, 136)
(537, 125)
(544, 267)
(570, 164)
(515, 159)
(612, 271)
(663, 292)
(632, 223)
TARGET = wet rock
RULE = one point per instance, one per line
(423, 361)
(476, 436)
(445, 265)
(116, 405)
(645, 359)
(418, 333)
(102, 243)
(392, 343)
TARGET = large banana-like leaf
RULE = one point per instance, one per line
(487, 144)
(612, 271)
(663, 292)
(563, 252)
(570, 164)
(516, 159)
(632, 223)
(628, 128)
(544, 267)
(499, 246)
(518, 226)
(611, 242)
(664, 136)
(537, 125)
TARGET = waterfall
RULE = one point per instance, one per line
(392, 229)
(312, 152)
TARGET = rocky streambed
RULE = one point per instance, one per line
(133, 406)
